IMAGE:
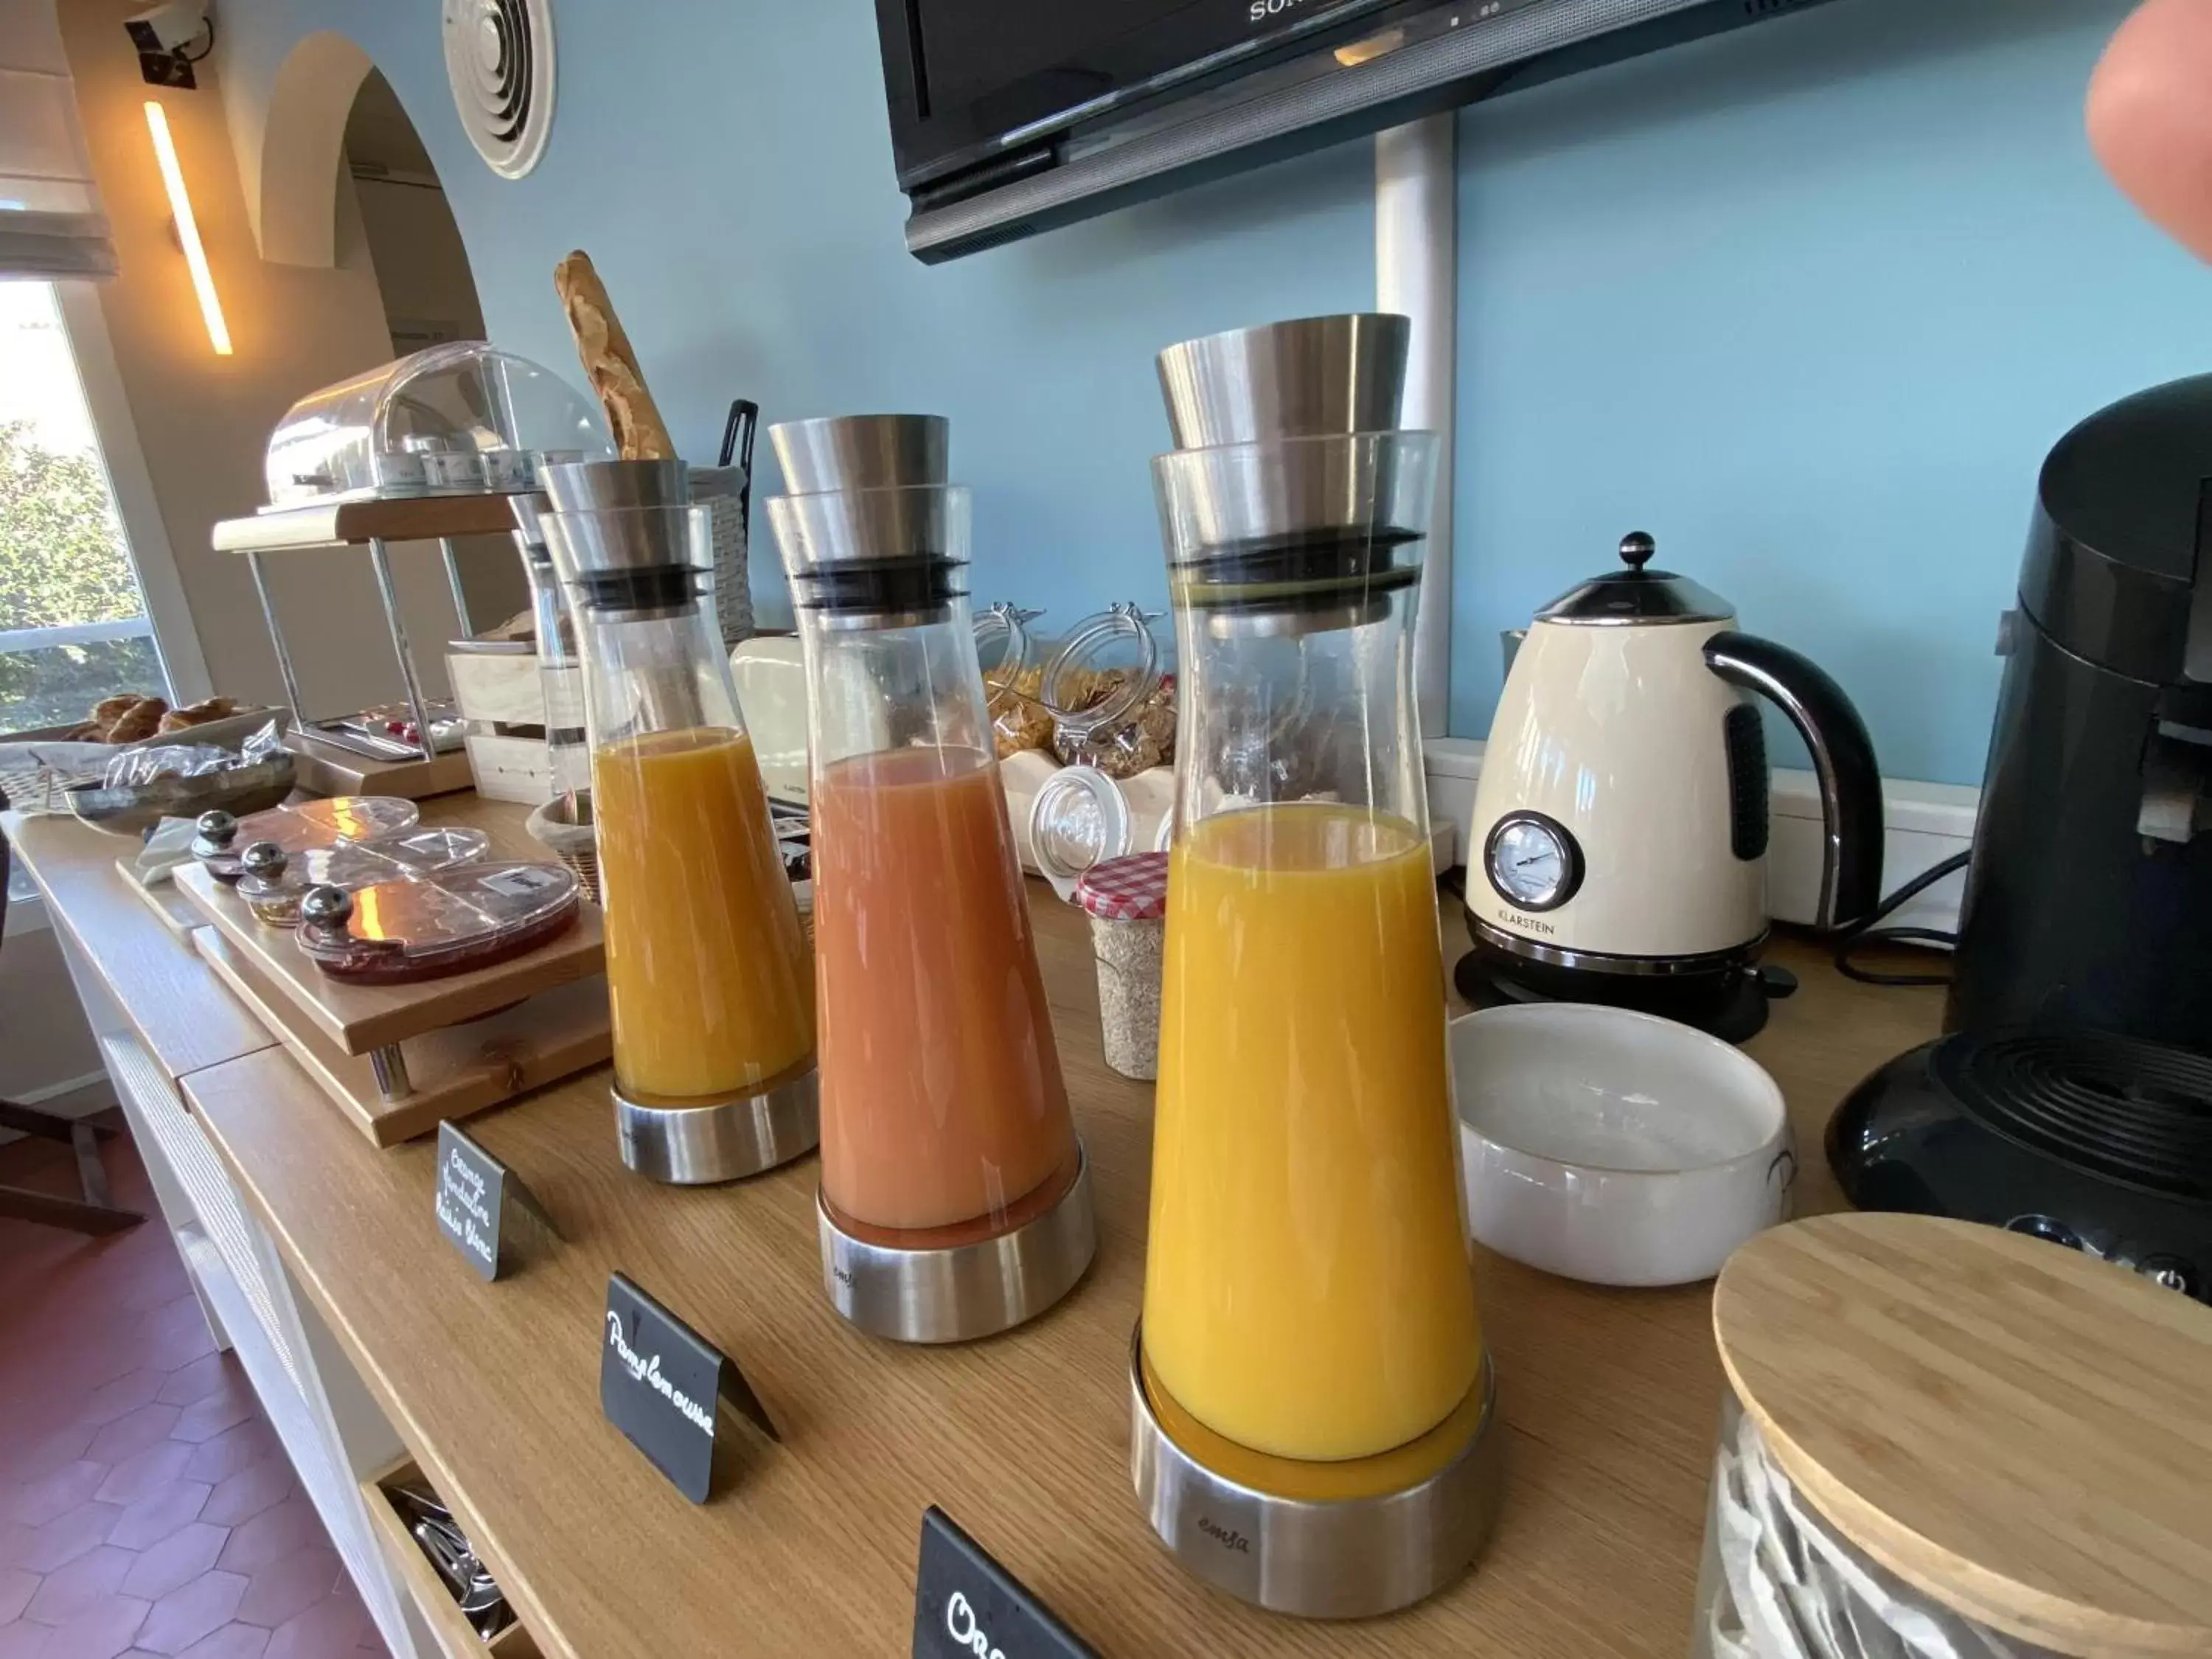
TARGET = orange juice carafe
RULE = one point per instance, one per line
(955, 1201)
(709, 976)
(1310, 1388)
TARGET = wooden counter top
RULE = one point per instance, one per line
(1609, 1398)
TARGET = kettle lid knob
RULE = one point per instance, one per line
(1636, 549)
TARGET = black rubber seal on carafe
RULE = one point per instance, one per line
(1297, 569)
(641, 587)
(909, 582)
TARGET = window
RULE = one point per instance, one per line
(73, 622)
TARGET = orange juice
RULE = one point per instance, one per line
(1307, 1287)
(706, 969)
(942, 1100)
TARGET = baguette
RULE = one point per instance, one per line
(610, 363)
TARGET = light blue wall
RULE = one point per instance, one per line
(1809, 301)
(727, 165)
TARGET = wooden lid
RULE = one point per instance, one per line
(2020, 1431)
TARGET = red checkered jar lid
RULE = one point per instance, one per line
(1132, 889)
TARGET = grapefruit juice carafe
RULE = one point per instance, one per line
(955, 1201)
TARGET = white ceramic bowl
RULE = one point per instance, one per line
(1615, 1147)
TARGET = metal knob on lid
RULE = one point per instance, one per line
(265, 859)
(326, 906)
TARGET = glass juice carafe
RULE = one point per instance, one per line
(1310, 1339)
(955, 1201)
(708, 972)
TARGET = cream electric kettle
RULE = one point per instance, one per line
(1617, 851)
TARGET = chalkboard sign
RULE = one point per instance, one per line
(480, 1200)
(966, 1606)
(660, 1383)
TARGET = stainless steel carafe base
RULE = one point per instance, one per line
(1336, 1550)
(694, 1145)
(961, 1292)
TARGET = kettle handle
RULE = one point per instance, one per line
(1842, 756)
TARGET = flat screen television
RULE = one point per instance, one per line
(1010, 117)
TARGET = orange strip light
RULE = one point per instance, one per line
(188, 230)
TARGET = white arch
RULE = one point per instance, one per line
(294, 203)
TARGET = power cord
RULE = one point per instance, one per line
(1868, 933)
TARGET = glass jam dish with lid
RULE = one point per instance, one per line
(273, 881)
(223, 839)
(445, 921)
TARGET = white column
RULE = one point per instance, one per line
(1417, 274)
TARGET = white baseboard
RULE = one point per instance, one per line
(1924, 824)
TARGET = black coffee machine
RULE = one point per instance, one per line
(2072, 1097)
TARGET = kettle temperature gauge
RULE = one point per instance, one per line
(1533, 861)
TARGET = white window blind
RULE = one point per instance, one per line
(50, 221)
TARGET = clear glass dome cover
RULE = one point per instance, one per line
(461, 418)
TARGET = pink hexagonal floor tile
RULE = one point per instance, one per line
(72, 1591)
(256, 1487)
(191, 1613)
(233, 1450)
(235, 1641)
(143, 1473)
(101, 1632)
(173, 1335)
(328, 1627)
(287, 1588)
(271, 1536)
(64, 1538)
(201, 1377)
(132, 1432)
(154, 1517)
(40, 1501)
(37, 1457)
(126, 1392)
(211, 1414)
(181, 1557)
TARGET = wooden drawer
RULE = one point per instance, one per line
(456, 1638)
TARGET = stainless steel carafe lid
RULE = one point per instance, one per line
(593, 486)
(634, 564)
(1281, 500)
(862, 452)
(1309, 377)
